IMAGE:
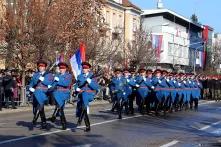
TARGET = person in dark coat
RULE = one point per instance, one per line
(9, 85)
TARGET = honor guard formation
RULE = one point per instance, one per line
(154, 91)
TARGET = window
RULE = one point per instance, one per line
(180, 49)
(114, 20)
(176, 50)
(120, 21)
(170, 48)
(134, 25)
(107, 17)
(115, 36)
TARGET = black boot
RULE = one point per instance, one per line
(119, 111)
(34, 121)
(53, 117)
(43, 119)
(196, 105)
(87, 122)
(81, 117)
(63, 121)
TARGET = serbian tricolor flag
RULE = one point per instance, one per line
(76, 61)
(157, 44)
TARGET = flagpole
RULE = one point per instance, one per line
(56, 54)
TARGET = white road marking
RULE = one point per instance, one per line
(83, 145)
(170, 143)
(1, 124)
(209, 126)
(58, 131)
(208, 102)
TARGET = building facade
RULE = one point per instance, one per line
(121, 16)
(181, 40)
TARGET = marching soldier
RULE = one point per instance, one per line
(160, 84)
(113, 95)
(61, 92)
(39, 87)
(179, 92)
(86, 88)
(166, 90)
(118, 90)
(133, 94)
(144, 87)
(173, 92)
(150, 96)
(127, 91)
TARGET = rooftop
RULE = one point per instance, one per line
(126, 3)
(160, 11)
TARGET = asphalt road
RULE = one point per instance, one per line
(180, 129)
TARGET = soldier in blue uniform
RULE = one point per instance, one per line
(61, 92)
(113, 95)
(86, 88)
(150, 97)
(129, 83)
(144, 87)
(119, 90)
(166, 90)
(196, 87)
(133, 94)
(173, 91)
(159, 83)
(184, 89)
(179, 94)
(39, 87)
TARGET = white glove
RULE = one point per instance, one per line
(78, 89)
(144, 79)
(168, 80)
(56, 79)
(179, 84)
(124, 93)
(88, 80)
(152, 87)
(49, 86)
(128, 80)
(198, 83)
(174, 81)
(190, 82)
(137, 85)
(41, 78)
(32, 89)
(184, 82)
(159, 81)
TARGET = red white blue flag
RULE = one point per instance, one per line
(76, 61)
(157, 44)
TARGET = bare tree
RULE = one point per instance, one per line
(216, 58)
(106, 47)
(140, 49)
(36, 29)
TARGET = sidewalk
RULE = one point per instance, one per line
(49, 107)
